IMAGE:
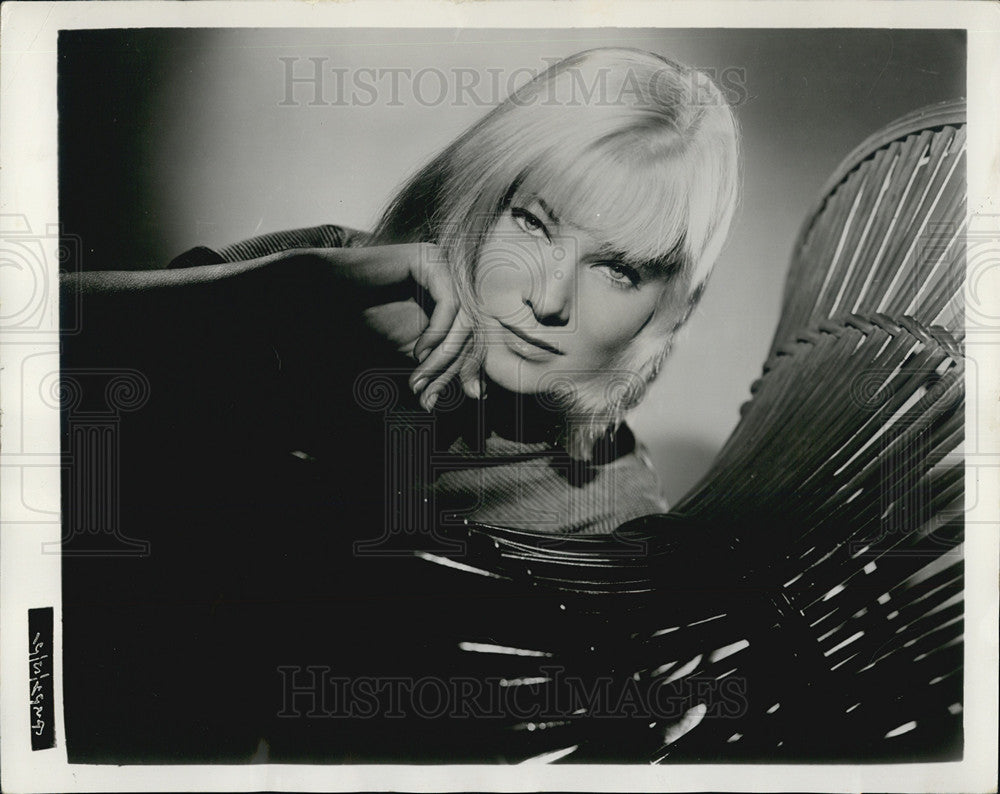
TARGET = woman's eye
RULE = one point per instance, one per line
(529, 222)
(621, 275)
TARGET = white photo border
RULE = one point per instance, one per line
(30, 428)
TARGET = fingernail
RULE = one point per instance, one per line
(476, 389)
(430, 401)
(422, 355)
(418, 384)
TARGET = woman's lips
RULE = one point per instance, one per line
(528, 346)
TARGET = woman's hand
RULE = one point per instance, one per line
(444, 349)
(424, 320)
(452, 357)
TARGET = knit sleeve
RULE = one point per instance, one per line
(326, 236)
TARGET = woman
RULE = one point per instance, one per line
(543, 262)
(580, 229)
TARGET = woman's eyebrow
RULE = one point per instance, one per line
(647, 268)
(548, 210)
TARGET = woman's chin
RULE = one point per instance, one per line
(513, 373)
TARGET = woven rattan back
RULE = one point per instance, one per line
(841, 488)
(841, 493)
(888, 233)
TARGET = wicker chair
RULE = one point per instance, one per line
(804, 600)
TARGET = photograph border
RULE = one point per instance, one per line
(30, 571)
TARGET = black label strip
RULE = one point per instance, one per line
(40, 688)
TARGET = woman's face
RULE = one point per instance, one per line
(556, 303)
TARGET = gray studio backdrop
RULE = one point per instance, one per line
(175, 138)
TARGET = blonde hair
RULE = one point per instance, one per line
(647, 146)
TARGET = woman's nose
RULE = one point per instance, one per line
(551, 296)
